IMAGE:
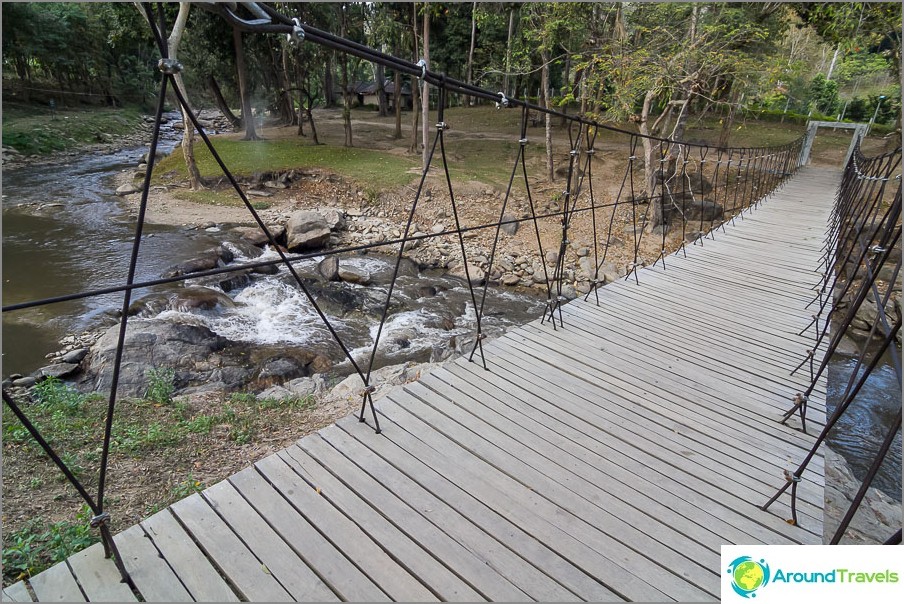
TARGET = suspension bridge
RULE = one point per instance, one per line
(603, 452)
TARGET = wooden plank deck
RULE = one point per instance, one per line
(606, 460)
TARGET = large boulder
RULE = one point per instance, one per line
(256, 236)
(476, 274)
(192, 351)
(306, 230)
(184, 299)
(207, 260)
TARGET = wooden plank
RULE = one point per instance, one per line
(347, 536)
(267, 546)
(571, 536)
(414, 557)
(56, 584)
(150, 572)
(427, 522)
(724, 358)
(197, 574)
(244, 570)
(17, 592)
(414, 462)
(98, 576)
(634, 549)
(685, 371)
(337, 571)
(492, 553)
(589, 405)
(715, 476)
(635, 467)
(615, 376)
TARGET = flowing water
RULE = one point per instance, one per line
(64, 232)
(862, 429)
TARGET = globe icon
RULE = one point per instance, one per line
(748, 575)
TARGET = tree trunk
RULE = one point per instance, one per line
(289, 100)
(346, 92)
(381, 90)
(425, 92)
(648, 169)
(244, 91)
(415, 85)
(397, 82)
(188, 133)
(544, 91)
(329, 98)
(308, 111)
(508, 52)
(415, 114)
(470, 75)
(222, 104)
(832, 64)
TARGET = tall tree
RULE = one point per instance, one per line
(425, 92)
(188, 132)
(244, 86)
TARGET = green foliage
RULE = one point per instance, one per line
(39, 545)
(161, 385)
(102, 51)
(824, 95)
(36, 130)
(55, 395)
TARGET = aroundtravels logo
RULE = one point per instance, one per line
(791, 574)
(748, 575)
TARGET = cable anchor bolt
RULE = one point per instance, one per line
(297, 34)
(791, 477)
(169, 66)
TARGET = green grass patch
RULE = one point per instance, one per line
(374, 169)
(39, 545)
(224, 198)
(163, 432)
(35, 130)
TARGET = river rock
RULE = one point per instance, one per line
(192, 351)
(511, 280)
(74, 356)
(307, 386)
(511, 228)
(329, 268)
(306, 230)
(278, 393)
(25, 382)
(878, 516)
(202, 263)
(184, 299)
(256, 236)
(476, 274)
(334, 217)
(282, 369)
(351, 274)
(58, 370)
(127, 189)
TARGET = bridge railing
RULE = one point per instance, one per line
(656, 196)
(861, 271)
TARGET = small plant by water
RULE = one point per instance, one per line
(161, 385)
